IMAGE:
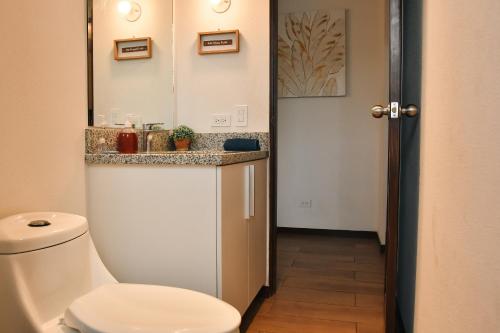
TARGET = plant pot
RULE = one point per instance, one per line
(182, 145)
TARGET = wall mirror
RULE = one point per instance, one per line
(130, 62)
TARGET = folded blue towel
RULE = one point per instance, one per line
(241, 144)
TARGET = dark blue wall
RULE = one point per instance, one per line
(410, 158)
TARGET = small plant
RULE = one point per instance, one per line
(182, 133)
(182, 137)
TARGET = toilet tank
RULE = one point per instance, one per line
(47, 260)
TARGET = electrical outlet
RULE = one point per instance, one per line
(221, 120)
(241, 115)
(305, 204)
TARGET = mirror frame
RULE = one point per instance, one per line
(90, 62)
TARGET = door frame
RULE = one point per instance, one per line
(90, 63)
(396, 44)
(393, 165)
(273, 147)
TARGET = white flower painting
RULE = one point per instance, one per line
(311, 54)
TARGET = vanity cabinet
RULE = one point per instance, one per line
(197, 227)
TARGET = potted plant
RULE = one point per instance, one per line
(182, 137)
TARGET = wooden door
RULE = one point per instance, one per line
(395, 113)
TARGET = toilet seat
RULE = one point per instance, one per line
(127, 308)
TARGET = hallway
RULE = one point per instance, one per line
(327, 284)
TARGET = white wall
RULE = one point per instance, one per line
(331, 151)
(216, 83)
(458, 270)
(43, 106)
(142, 86)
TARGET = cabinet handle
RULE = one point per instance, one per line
(249, 191)
(252, 190)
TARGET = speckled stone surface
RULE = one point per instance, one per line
(215, 141)
(200, 157)
(202, 141)
(93, 134)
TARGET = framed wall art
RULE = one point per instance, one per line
(133, 48)
(215, 42)
(312, 54)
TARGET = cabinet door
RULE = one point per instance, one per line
(234, 256)
(258, 230)
(148, 233)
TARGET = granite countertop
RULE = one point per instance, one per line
(195, 157)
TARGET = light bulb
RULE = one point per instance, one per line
(124, 7)
(220, 6)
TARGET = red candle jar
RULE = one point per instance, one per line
(127, 141)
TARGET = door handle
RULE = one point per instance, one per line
(394, 110)
(410, 111)
(378, 111)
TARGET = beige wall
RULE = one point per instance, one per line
(217, 83)
(331, 151)
(458, 271)
(42, 106)
(143, 86)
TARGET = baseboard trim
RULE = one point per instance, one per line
(329, 232)
(382, 246)
(252, 310)
(338, 233)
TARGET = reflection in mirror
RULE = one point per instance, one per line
(129, 82)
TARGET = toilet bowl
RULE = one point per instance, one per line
(53, 281)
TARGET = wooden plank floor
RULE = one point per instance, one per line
(327, 284)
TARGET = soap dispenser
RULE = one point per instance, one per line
(128, 142)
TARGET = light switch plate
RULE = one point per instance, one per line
(241, 115)
(221, 120)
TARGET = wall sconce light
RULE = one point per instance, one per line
(131, 10)
(220, 6)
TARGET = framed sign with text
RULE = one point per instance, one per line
(223, 41)
(133, 48)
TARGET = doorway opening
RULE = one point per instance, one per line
(329, 192)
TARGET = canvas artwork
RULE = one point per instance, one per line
(311, 54)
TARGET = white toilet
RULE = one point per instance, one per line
(52, 280)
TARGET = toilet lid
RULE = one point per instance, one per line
(127, 308)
